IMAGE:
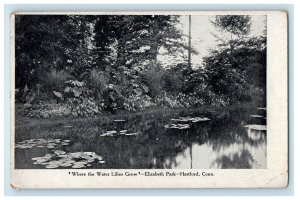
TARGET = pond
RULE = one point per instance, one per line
(227, 138)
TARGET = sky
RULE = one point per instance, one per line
(201, 33)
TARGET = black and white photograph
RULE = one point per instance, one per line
(143, 91)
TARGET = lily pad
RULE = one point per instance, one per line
(41, 161)
(98, 157)
(66, 164)
(180, 120)
(256, 127)
(261, 108)
(136, 133)
(39, 158)
(57, 141)
(256, 116)
(81, 163)
(112, 132)
(119, 120)
(59, 152)
(200, 119)
(51, 166)
(76, 154)
(78, 166)
(184, 127)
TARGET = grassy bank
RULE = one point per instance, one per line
(24, 122)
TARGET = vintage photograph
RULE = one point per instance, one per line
(142, 91)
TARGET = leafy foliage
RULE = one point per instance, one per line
(84, 65)
(235, 24)
(237, 71)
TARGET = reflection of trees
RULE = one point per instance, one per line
(239, 160)
(227, 133)
(155, 147)
(230, 130)
(255, 138)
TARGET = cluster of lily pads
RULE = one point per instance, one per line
(191, 119)
(119, 132)
(183, 122)
(62, 159)
(116, 133)
(40, 143)
(178, 126)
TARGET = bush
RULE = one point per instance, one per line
(55, 80)
(137, 103)
(97, 82)
(79, 96)
(172, 82)
(46, 110)
(153, 79)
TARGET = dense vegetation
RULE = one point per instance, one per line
(85, 65)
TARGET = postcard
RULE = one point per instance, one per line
(149, 99)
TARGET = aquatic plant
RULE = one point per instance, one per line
(61, 159)
(49, 143)
(257, 127)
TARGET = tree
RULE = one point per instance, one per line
(50, 42)
(129, 47)
(237, 68)
(234, 24)
(233, 28)
(136, 39)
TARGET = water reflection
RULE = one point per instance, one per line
(222, 142)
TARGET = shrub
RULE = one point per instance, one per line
(153, 79)
(97, 82)
(55, 80)
(137, 103)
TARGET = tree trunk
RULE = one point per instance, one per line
(190, 45)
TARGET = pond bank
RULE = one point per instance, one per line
(29, 122)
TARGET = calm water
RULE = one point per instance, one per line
(222, 142)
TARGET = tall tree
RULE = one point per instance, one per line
(237, 68)
(40, 45)
(190, 45)
(138, 38)
(232, 29)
